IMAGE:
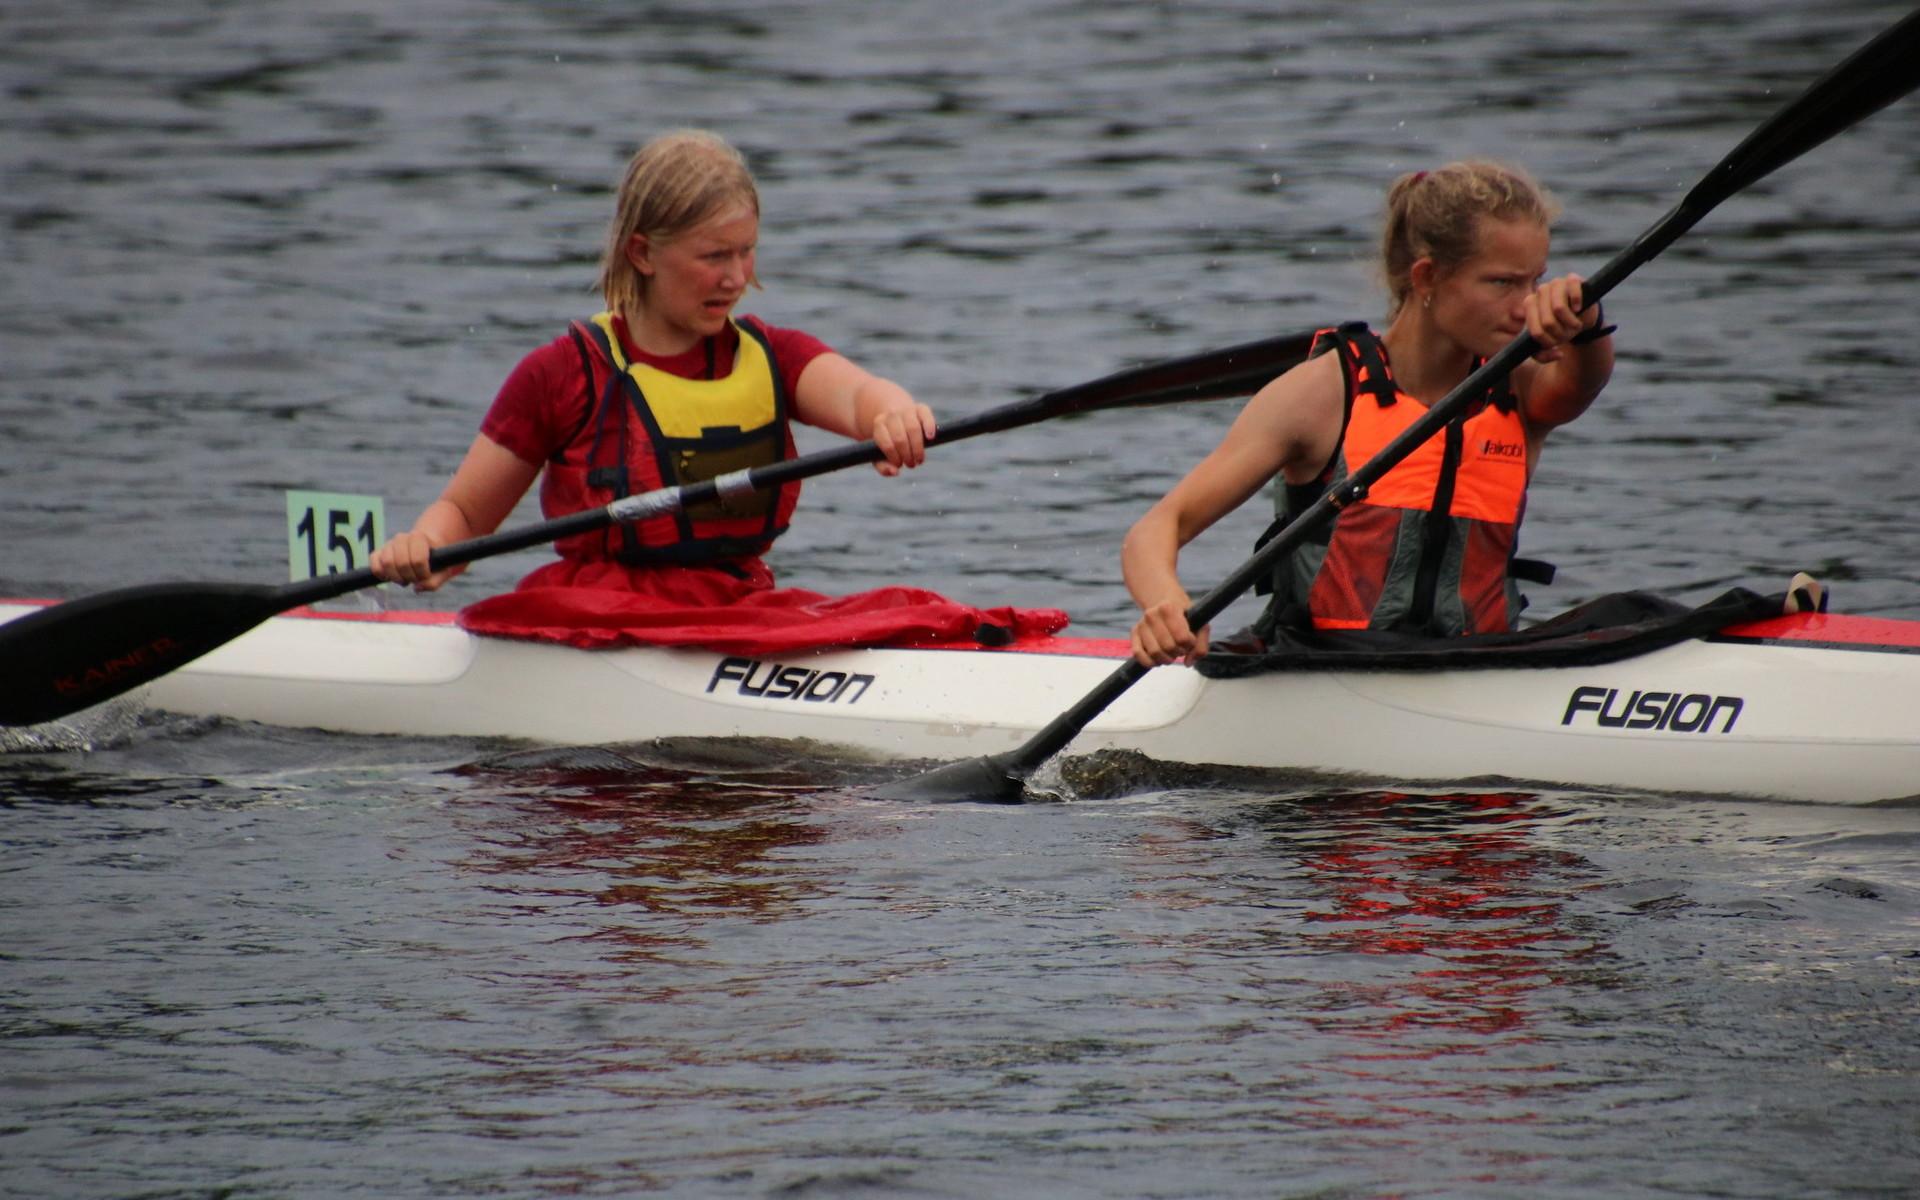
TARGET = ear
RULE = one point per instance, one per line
(1423, 275)
(640, 254)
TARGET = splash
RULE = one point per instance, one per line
(108, 724)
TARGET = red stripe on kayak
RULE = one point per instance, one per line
(1824, 630)
(1077, 647)
(398, 616)
(1832, 631)
(1800, 629)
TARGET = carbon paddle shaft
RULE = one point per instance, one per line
(67, 657)
(1214, 375)
(1873, 77)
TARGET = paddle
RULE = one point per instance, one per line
(65, 657)
(1874, 76)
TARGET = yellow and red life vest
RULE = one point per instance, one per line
(653, 429)
(1430, 548)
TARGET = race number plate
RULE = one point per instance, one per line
(328, 533)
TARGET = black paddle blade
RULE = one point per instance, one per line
(970, 781)
(70, 656)
(1872, 77)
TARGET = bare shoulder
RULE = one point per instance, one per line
(1301, 413)
(1314, 385)
(1278, 427)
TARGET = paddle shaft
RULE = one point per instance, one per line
(68, 656)
(1879, 73)
(1217, 374)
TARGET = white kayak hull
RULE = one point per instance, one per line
(1819, 709)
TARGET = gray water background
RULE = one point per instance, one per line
(258, 246)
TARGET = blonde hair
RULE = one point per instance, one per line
(675, 182)
(1436, 214)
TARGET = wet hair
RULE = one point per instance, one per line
(672, 184)
(1436, 214)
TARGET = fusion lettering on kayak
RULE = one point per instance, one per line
(777, 681)
(1688, 712)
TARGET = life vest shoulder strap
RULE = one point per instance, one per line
(607, 407)
(782, 402)
(1363, 362)
(1341, 340)
(1361, 366)
(588, 402)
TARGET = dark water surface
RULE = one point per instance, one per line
(261, 246)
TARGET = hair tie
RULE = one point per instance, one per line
(1418, 176)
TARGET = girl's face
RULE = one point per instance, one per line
(1481, 303)
(693, 279)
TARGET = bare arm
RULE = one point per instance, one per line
(488, 483)
(1289, 426)
(1564, 379)
(835, 394)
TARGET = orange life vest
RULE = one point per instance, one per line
(652, 429)
(1430, 548)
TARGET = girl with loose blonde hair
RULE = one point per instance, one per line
(664, 388)
(673, 183)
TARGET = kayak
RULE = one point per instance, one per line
(1810, 707)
